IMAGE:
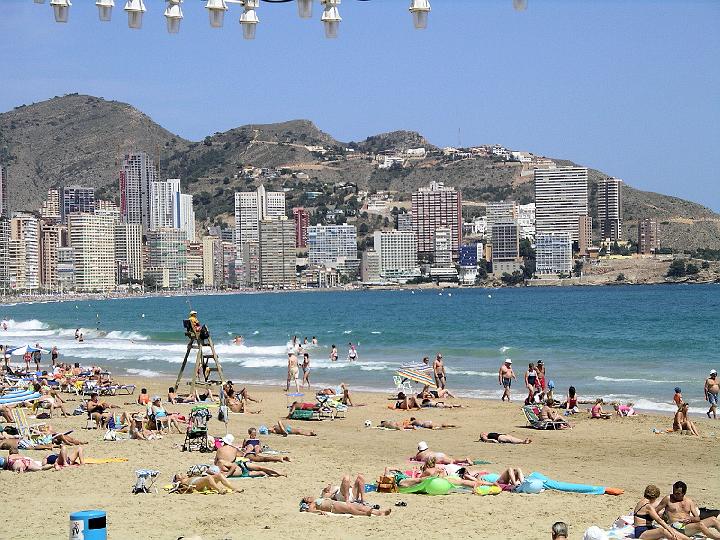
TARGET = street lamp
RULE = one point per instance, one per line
(520, 5)
(105, 9)
(173, 16)
(331, 18)
(420, 10)
(305, 8)
(216, 12)
(135, 10)
(249, 19)
(61, 8)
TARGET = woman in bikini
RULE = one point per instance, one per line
(492, 437)
(644, 515)
(216, 482)
(284, 429)
(531, 377)
(328, 506)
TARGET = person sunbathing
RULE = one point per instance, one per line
(18, 463)
(596, 412)
(510, 479)
(226, 459)
(285, 429)
(644, 515)
(161, 416)
(45, 430)
(399, 426)
(98, 410)
(65, 458)
(424, 454)
(440, 393)
(175, 398)
(428, 424)
(492, 437)
(214, 482)
(440, 404)
(406, 403)
(138, 431)
(549, 414)
(50, 399)
(237, 404)
(328, 506)
(6, 412)
(682, 422)
(683, 514)
(252, 450)
(347, 491)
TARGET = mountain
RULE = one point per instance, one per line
(78, 139)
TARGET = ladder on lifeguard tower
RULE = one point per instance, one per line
(204, 360)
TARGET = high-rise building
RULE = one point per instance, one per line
(212, 261)
(229, 264)
(584, 235)
(609, 207)
(129, 249)
(433, 207)
(108, 209)
(561, 196)
(4, 253)
(195, 264)
(370, 267)
(302, 222)
(330, 244)
(648, 236)
(50, 210)
(500, 211)
(397, 254)
(442, 255)
(52, 238)
(526, 220)
(277, 252)
(505, 247)
(251, 207)
(164, 195)
(4, 204)
(167, 253)
(250, 257)
(186, 216)
(76, 199)
(404, 222)
(25, 232)
(136, 175)
(553, 253)
(92, 238)
(65, 268)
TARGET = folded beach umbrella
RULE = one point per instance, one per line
(20, 351)
(417, 376)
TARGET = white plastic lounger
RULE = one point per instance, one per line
(20, 399)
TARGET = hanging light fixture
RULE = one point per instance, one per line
(61, 9)
(331, 18)
(520, 5)
(249, 19)
(305, 8)
(173, 16)
(105, 9)
(135, 10)
(420, 10)
(216, 12)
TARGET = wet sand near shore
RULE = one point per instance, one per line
(622, 453)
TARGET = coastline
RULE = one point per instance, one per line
(268, 508)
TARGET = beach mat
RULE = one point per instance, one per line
(96, 461)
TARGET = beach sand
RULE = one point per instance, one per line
(622, 453)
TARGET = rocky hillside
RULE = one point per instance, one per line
(81, 139)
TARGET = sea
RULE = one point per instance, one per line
(624, 343)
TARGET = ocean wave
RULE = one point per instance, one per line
(32, 324)
(648, 405)
(504, 349)
(143, 372)
(347, 332)
(376, 332)
(470, 373)
(611, 379)
(132, 336)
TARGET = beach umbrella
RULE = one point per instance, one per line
(419, 366)
(417, 376)
(20, 351)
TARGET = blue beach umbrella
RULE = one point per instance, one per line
(20, 351)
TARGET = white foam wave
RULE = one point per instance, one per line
(376, 332)
(133, 336)
(504, 349)
(347, 332)
(648, 405)
(143, 372)
(470, 373)
(611, 379)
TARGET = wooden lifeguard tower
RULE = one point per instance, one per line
(206, 359)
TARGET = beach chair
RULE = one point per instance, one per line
(333, 403)
(196, 436)
(403, 385)
(25, 430)
(532, 414)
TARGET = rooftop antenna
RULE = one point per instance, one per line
(459, 139)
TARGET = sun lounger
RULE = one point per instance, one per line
(532, 414)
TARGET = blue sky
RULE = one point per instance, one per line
(631, 87)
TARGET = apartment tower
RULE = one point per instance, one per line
(137, 174)
(561, 197)
(433, 207)
(609, 208)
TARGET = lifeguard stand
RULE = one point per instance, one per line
(202, 343)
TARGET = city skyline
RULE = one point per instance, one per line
(592, 98)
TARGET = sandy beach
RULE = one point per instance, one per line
(622, 453)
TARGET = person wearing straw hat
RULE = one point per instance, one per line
(505, 377)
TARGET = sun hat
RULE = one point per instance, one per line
(193, 312)
(540, 362)
(508, 361)
(422, 446)
(713, 372)
(156, 398)
(228, 439)
(677, 389)
(595, 533)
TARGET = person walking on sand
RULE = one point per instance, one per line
(54, 356)
(505, 377)
(439, 372)
(37, 357)
(293, 372)
(711, 393)
(306, 370)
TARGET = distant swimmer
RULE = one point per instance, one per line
(77, 334)
(314, 340)
(5, 326)
(352, 352)
(333, 353)
(239, 340)
(81, 338)
(305, 341)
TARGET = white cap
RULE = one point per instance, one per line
(595, 533)
(228, 439)
(508, 361)
(422, 446)
(713, 372)
(193, 312)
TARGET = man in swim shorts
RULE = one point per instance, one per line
(683, 514)
(505, 377)
(293, 372)
(711, 393)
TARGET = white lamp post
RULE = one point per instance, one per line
(173, 16)
(135, 10)
(249, 19)
(331, 18)
(305, 8)
(216, 12)
(105, 9)
(520, 5)
(61, 8)
(420, 10)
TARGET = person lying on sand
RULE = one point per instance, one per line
(406, 403)
(328, 506)
(682, 421)
(597, 411)
(399, 426)
(440, 393)
(424, 453)
(440, 404)
(250, 450)
(65, 458)
(347, 491)
(492, 437)
(176, 398)
(236, 403)
(215, 482)
(428, 424)
(226, 459)
(284, 429)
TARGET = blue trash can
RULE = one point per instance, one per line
(88, 525)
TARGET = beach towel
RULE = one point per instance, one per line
(563, 486)
(432, 485)
(105, 460)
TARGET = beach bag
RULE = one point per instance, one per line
(110, 435)
(386, 484)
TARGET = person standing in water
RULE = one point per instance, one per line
(352, 352)
(333, 353)
(505, 377)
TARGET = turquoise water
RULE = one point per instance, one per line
(627, 343)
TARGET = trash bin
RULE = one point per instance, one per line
(88, 525)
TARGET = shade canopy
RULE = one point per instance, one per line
(20, 351)
(417, 376)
